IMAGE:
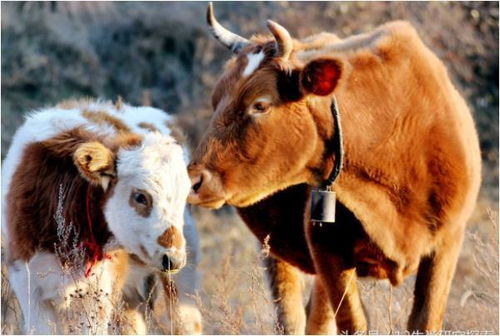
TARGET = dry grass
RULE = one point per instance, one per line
(87, 302)
(161, 53)
(235, 297)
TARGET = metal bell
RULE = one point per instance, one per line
(323, 206)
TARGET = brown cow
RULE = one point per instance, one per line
(410, 178)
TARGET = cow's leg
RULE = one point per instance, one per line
(434, 277)
(320, 319)
(331, 246)
(278, 222)
(340, 283)
(286, 286)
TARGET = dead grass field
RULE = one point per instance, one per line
(160, 53)
(236, 299)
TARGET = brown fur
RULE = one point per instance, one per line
(148, 126)
(320, 318)
(103, 118)
(176, 132)
(171, 238)
(120, 271)
(411, 173)
(33, 196)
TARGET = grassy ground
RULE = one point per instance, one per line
(161, 54)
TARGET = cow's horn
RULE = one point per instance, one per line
(232, 41)
(283, 39)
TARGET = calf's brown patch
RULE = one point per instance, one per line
(171, 238)
(143, 209)
(148, 126)
(103, 118)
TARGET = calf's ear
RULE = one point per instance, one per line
(320, 76)
(95, 162)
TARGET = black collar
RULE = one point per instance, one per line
(337, 145)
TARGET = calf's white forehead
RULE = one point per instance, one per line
(157, 164)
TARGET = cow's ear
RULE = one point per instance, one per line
(95, 162)
(320, 76)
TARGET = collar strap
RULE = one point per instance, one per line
(94, 250)
(338, 147)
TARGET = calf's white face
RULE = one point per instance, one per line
(145, 210)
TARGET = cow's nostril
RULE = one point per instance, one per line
(196, 186)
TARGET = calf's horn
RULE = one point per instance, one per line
(283, 39)
(230, 40)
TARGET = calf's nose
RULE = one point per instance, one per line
(171, 263)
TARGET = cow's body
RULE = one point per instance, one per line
(410, 178)
(56, 216)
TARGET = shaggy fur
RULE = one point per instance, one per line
(78, 184)
(410, 178)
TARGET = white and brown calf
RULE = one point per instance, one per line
(93, 202)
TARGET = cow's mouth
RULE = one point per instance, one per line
(211, 203)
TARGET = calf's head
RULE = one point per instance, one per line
(266, 132)
(147, 186)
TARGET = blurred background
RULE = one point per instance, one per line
(161, 54)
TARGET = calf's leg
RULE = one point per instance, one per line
(139, 293)
(183, 315)
(187, 284)
(32, 282)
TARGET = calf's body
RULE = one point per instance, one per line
(90, 191)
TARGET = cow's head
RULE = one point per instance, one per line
(271, 116)
(146, 196)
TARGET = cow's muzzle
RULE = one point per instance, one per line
(206, 188)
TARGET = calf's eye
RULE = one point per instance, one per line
(140, 198)
(141, 201)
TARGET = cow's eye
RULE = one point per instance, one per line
(140, 198)
(261, 107)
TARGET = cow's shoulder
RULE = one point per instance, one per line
(391, 42)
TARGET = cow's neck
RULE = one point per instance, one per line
(362, 186)
(323, 160)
